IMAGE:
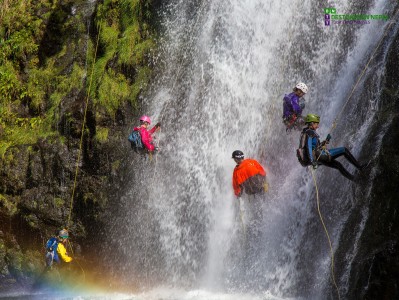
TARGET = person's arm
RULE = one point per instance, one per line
(309, 147)
(237, 188)
(63, 253)
(311, 143)
(146, 139)
(262, 171)
(153, 129)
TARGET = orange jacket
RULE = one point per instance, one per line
(246, 172)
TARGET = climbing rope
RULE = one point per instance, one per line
(327, 234)
(77, 262)
(242, 217)
(83, 130)
(333, 126)
(156, 153)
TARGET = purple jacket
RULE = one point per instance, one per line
(291, 105)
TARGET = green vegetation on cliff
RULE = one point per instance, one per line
(46, 57)
(51, 52)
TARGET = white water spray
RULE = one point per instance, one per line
(226, 66)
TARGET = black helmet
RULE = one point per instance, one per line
(237, 154)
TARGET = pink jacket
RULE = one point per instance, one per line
(146, 137)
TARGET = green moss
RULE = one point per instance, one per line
(24, 131)
(89, 197)
(10, 206)
(122, 24)
(109, 35)
(10, 85)
(4, 146)
(141, 82)
(101, 134)
(114, 89)
(32, 220)
(127, 44)
(58, 202)
(115, 165)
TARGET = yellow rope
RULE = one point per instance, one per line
(334, 124)
(77, 262)
(83, 130)
(326, 231)
(242, 218)
(156, 153)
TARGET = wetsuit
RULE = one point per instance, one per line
(316, 153)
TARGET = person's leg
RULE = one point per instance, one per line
(337, 152)
(337, 165)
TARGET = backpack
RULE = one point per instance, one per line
(135, 140)
(301, 152)
(51, 247)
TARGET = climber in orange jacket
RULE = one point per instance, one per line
(248, 176)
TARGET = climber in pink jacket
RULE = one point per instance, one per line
(145, 134)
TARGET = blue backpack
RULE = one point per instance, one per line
(51, 249)
(135, 140)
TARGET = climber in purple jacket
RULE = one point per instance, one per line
(293, 106)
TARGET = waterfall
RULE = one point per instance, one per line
(223, 70)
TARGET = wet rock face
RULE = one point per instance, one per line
(375, 271)
(36, 185)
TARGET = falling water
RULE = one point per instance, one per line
(224, 68)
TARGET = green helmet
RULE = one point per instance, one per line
(312, 118)
(63, 234)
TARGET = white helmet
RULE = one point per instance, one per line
(302, 87)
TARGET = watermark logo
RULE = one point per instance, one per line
(332, 17)
(327, 15)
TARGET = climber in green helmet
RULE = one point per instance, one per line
(56, 249)
(313, 152)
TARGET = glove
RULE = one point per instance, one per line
(314, 164)
(266, 187)
(158, 125)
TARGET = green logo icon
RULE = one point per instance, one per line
(330, 10)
